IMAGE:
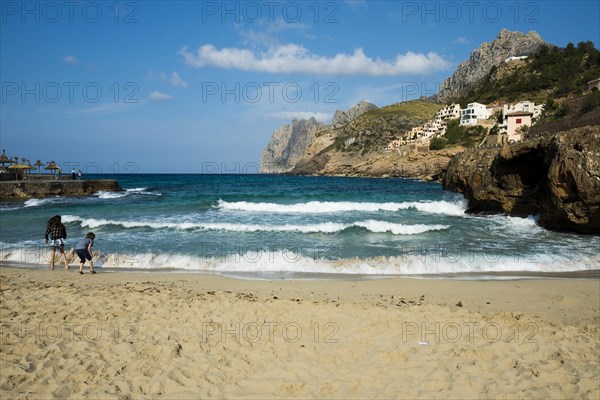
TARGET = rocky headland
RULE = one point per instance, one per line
(40, 189)
(354, 144)
(556, 177)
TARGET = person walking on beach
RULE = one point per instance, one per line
(74, 174)
(79, 174)
(84, 251)
(57, 233)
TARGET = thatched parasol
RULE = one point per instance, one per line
(28, 166)
(52, 166)
(39, 164)
(4, 159)
(18, 167)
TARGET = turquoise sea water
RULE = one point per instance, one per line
(270, 225)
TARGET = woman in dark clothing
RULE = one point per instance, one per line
(57, 233)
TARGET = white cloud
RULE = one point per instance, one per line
(159, 96)
(70, 60)
(172, 79)
(461, 40)
(292, 58)
(176, 81)
(319, 116)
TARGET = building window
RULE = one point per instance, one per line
(518, 120)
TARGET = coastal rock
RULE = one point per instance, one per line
(488, 55)
(341, 118)
(556, 177)
(39, 189)
(428, 166)
(291, 143)
(288, 144)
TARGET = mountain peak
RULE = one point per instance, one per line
(485, 57)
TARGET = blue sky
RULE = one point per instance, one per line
(151, 86)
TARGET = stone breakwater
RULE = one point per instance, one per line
(39, 189)
(556, 177)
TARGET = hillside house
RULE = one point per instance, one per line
(515, 58)
(525, 106)
(474, 112)
(514, 122)
(594, 84)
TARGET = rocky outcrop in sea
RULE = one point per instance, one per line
(556, 177)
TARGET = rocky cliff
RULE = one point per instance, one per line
(488, 55)
(288, 144)
(556, 177)
(29, 189)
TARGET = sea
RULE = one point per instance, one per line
(277, 227)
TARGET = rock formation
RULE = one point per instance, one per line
(488, 55)
(29, 189)
(556, 177)
(341, 118)
(288, 145)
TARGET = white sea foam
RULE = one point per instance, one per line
(40, 202)
(325, 227)
(289, 261)
(127, 192)
(398, 229)
(110, 195)
(95, 223)
(142, 190)
(324, 207)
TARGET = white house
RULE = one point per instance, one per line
(509, 59)
(524, 106)
(473, 112)
(448, 112)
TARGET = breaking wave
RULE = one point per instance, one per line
(323, 207)
(325, 227)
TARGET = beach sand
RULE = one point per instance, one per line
(175, 335)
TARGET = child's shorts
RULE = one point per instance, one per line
(83, 254)
(57, 244)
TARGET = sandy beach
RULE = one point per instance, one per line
(172, 335)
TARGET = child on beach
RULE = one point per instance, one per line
(84, 251)
(57, 233)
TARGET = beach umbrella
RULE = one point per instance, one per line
(18, 167)
(52, 166)
(4, 159)
(28, 166)
(39, 164)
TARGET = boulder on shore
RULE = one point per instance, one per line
(556, 177)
